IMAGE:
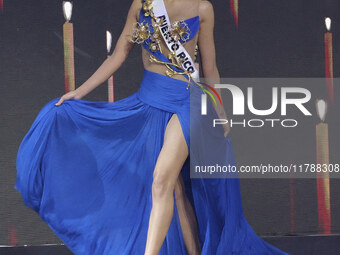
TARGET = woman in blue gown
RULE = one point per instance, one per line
(114, 178)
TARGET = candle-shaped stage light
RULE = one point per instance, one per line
(322, 158)
(234, 10)
(111, 89)
(68, 47)
(329, 59)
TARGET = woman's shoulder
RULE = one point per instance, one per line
(205, 5)
(136, 6)
(206, 9)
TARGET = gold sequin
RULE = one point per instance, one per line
(153, 47)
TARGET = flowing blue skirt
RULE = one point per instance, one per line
(86, 167)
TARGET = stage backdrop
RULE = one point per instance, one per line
(260, 38)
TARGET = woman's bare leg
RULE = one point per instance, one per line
(187, 219)
(168, 166)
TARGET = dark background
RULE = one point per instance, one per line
(281, 38)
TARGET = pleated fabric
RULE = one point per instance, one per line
(86, 167)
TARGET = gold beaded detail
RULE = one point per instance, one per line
(180, 30)
(140, 33)
(147, 7)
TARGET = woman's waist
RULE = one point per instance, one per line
(160, 87)
(156, 67)
(165, 92)
(158, 74)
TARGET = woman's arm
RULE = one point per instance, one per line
(206, 45)
(113, 62)
(206, 42)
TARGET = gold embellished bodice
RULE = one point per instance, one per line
(156, 56)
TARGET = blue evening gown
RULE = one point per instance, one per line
(86, 167)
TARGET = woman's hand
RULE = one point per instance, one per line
(72, 94)
(223, 115)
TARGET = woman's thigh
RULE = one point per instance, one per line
(172, 155)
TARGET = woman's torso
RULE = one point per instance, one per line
(178, 10)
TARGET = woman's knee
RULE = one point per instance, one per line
(162, 186)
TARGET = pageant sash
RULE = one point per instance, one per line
(188, 64)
